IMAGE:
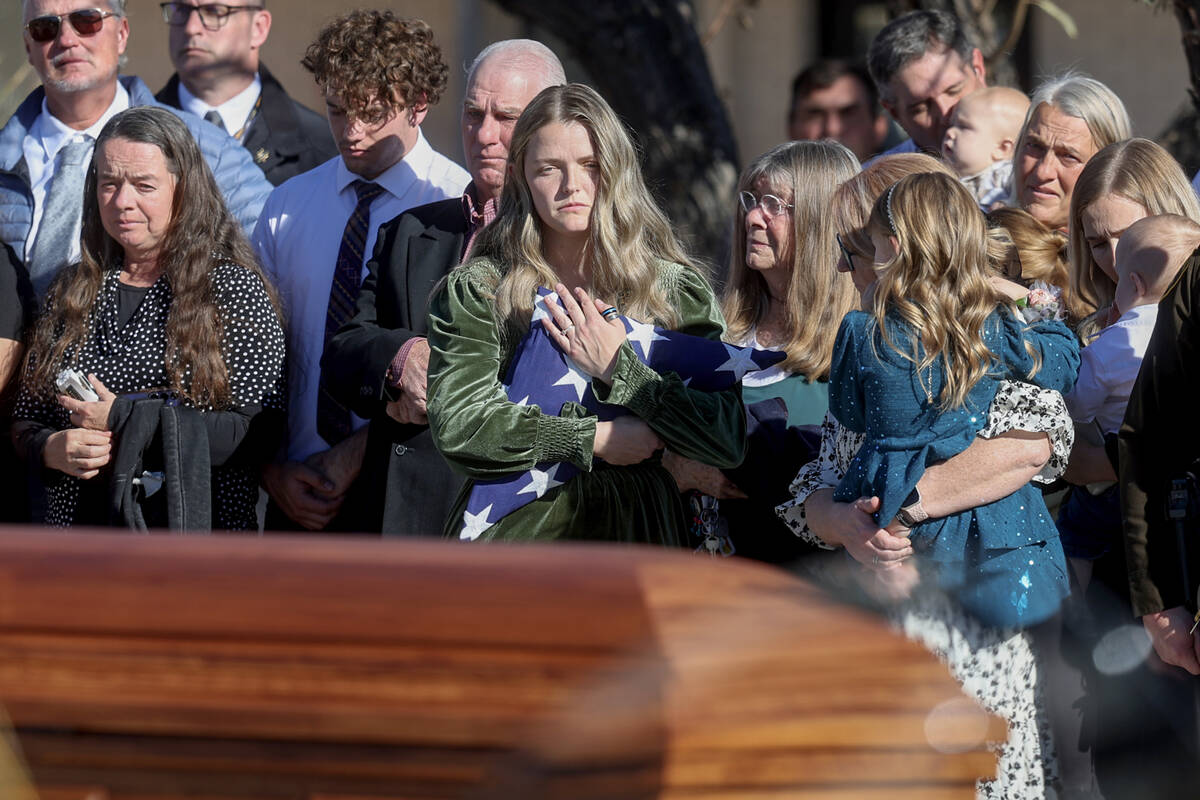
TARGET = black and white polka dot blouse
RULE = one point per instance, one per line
(130, 358)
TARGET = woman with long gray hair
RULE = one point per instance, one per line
(167, 298)
(782, 292)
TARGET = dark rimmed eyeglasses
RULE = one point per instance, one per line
(85, 21)
(213, 16)
(846, 254)
(771, 205)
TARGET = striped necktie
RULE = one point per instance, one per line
(62, 211)
(214, 116)
(333, 418)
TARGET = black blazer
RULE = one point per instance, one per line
(285, 138)
(405, 487)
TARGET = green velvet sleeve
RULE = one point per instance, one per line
(479, 431)
(709, 427)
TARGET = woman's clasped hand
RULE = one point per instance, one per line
(84, 449)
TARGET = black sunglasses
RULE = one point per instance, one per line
(845, 251)
(85, 21)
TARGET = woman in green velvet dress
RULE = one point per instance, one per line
(575, 217)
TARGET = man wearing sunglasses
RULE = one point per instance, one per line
(76, 47)
(215, 50)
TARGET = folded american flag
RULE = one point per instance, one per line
(541, 375)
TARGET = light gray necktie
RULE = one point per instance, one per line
(63, 208)
(214, 117)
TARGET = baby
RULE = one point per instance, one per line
(981, 139)
(1148, 258)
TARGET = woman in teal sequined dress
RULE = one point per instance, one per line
(917, 375)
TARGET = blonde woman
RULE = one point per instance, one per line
(575, 217)
(1025, 427)
(917, 373)
(1121, 184)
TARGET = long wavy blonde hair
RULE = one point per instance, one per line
(1137, 170)
(1029, 250)
(805, 174)
(627, 232)
(938, 283)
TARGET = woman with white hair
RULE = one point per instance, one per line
(1070, 119)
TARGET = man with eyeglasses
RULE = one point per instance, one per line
(377, 363)
(76, 48)
(215, 50)
(318, 229)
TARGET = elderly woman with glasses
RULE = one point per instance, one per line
(783, 292)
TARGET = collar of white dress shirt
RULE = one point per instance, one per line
(53, 135)
(234, 111)
(400, 177)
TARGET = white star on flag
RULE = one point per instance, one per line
(575, 379)
(643, 334)
(740, 361)
(524, 401)
(540, 482)
(475, 524)
(540, 311)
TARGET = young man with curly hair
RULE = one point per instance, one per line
(380, 74)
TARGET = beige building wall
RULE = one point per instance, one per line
(1134, 50)
(753, 66)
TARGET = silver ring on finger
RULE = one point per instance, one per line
(568, 329)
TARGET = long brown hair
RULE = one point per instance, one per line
(627, 231)
(201, 233)
(806, 174)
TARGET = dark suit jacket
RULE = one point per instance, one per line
(405, 487)
(285, 138)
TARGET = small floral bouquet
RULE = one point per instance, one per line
(1043, 303)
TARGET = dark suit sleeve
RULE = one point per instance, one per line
(1159, 439)
(355, 363)
(16, 297)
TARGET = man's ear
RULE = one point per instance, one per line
(880, 128)
(978, 66)
(260, 28)
(416, 114)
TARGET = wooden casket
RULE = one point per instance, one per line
(322, 668)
